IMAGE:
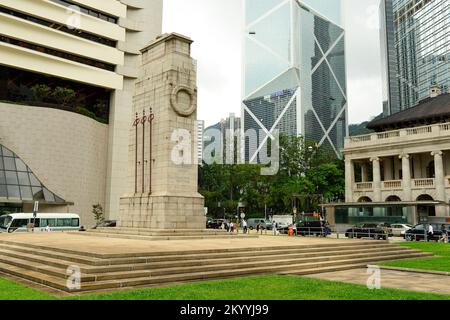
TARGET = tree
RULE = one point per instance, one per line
(64, 96)
(99, 215)
(41, 92)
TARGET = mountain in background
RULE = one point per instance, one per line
(361, 128)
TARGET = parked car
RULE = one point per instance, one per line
(310, 228)
(420, 232)
(399, 229)
(264, 224)
(106, 224)
(215, 223)
(369, 230)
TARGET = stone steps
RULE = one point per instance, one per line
(143, 280)
(154, 235)
(123, 271)
(196, 256)
(86, 266)
(48, 266)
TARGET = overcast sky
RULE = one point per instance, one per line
(215, 26)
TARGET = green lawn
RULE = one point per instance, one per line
(10, 290)
(274, 287)
(439, 263)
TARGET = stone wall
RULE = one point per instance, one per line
(66, 151)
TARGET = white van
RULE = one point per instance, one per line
(18, 222)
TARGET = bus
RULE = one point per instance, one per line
(20, 222)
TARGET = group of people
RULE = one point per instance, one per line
(442, 238)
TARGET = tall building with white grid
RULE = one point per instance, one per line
(294, 73)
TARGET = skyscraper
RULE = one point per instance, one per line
(294, 72)
(416, 50)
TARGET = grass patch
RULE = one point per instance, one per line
(10, 290)
(439, 263)
(273, 287)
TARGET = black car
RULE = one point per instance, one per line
(311, 228)
(215, 224)
(369, 230)
(420, 232)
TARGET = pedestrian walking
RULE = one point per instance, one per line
(444, 234)
(244, 226)
(257, 228)
(274, 228)
(430, 232)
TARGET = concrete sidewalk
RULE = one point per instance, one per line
(410, 281)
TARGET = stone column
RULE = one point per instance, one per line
(364, 176)
(376, 179)
(349, 180)
(439, 181)
(406, 181)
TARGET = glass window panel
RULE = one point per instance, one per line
(38, 194)
(23, 178)
(330, 9)
(1, 162)
(34, 181)
(11, 177)
(75, 222)
(3, 192)
(48, 195)
(273, 32)
(20, 165)
(2, 177)
(26, 193)
(6, 152)
(10, 164)
(261, 67)
(256, 8)
(58, 199)
(13, 192)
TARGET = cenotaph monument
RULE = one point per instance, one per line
(163, 170)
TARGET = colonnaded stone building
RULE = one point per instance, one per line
(67, 77)
(401, 172)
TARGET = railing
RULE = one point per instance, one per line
(387, 135)
(421, 130)
(423, 183)
(435, 130)
(396, 184)
(364, 186)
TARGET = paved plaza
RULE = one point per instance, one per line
(410, 281)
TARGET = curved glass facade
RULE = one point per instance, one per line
(19, 183)
(295, 79)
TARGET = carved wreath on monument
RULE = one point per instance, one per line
(182, 100)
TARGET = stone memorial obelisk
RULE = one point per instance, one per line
(163, 170)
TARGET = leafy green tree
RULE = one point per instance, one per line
(41, 92)
(64, 96)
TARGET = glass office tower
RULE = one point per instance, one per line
(294, 72)
(421, 44)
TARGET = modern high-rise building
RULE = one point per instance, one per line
(294, 73)
(67, 78)
(228, 130)
(415, 49)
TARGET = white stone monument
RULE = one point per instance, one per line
(163, 169)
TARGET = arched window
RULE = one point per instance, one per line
(393, 199)
(364, 199)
